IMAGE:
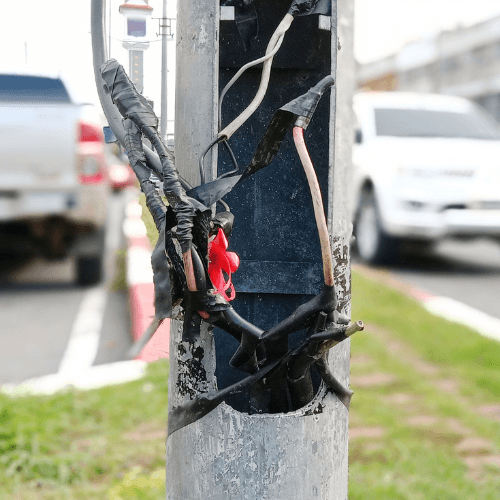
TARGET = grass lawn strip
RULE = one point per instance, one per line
(82, 444)
(400, 404)
(425, 421)
(475, 360)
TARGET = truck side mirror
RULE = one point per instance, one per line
(109, 136)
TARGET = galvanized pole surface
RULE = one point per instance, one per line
(192, 364)
(230, 454)
(340, 182)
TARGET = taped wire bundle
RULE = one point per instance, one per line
(183, 272)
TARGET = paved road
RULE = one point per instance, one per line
(468, 272)
(43, 315)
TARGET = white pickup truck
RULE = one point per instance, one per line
(54, 180)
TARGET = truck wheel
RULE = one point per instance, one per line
(373, 245)
(88, 270)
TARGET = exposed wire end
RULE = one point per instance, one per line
(319, 214)
(355, 327)
(139, 345)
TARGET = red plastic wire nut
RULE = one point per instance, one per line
(221, 265)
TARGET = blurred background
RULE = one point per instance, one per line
(49, 205)
(426, 215)
(427, 177)
(63, 191)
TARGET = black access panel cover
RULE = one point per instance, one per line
(275, 233)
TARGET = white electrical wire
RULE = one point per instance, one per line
(242, 70)
(228, 131)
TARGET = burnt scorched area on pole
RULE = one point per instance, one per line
(280, 367)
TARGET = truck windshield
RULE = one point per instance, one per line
(428, 123)
(32, 89)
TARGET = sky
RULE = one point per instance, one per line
(55, 34)
(382, 27)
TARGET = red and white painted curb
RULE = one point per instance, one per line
(140, 285)
(444, 307)
(458, 312)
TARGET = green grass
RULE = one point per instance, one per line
(411, 436)
(147, 218)
(119, 283)
(417, 429)
(83, 444)
(462, 352)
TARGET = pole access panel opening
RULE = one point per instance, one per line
(275, 233)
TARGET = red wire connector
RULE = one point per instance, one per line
(221, 265)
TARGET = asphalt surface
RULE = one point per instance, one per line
(468, 272)
(40, 305)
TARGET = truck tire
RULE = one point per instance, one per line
(89, 252)
(372, 244)
(88, 270)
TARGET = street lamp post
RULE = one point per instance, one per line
(165, 25)
(136, 14)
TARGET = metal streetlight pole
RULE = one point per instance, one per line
(232, 452)
(285, 437)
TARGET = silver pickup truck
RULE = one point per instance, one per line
(54, 179)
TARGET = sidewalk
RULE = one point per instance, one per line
(140, 285)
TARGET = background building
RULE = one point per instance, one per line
(463, 62)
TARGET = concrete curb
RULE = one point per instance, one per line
(94, 377)
(444, 307)
(140, 285)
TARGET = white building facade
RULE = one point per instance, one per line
(463, 62)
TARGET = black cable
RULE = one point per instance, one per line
(225, 205)
(233, 159)
(202, 157)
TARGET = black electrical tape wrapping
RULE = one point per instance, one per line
(270, 143)
(343, 393)
(203, 404)
(309, 7)
(305, 105)
(132, 139)
(155, 204)
(325, 301)
(211, 192)
(201, 233)
(336, 334)
(167, 286)
(268, 147)
(125, 96)
(134, 106)
(304, 358)
(165, 292)
(224, 221)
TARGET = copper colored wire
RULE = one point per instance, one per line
(319, 214)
